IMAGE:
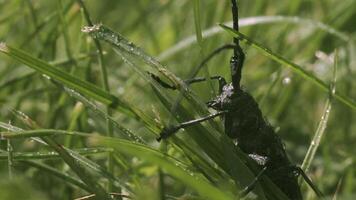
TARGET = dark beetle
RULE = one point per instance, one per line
(245, 123)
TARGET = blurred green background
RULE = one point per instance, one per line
(303, 31)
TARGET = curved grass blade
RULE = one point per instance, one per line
(251, 21)
(296, 68)
(168, 164)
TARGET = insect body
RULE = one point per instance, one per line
(244, 122)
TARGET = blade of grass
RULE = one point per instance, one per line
(323, 122)
(296, 68)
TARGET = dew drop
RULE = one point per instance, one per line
(286, 81)
(47, 77)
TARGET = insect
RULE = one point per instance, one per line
(244, 122)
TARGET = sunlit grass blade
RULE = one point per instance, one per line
(296, 68)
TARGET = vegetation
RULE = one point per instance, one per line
(80, 115)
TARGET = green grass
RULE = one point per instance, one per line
(79, 114)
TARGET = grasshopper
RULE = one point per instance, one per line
(245, 123)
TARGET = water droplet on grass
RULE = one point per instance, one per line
(286, 81)
(46, 76)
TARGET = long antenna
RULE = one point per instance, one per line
(238, 58)
(235, 18)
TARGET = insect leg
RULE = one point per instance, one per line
(221, 80)
(300, 171)
(204, 62)
(252, 185)
(212, 55)
(168, 131)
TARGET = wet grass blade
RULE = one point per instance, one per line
(296, 68)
